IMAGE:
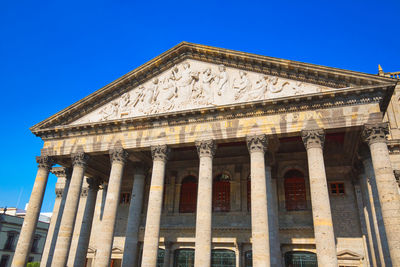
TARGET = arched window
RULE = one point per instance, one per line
(188, 198)
(295, 190)
(300, 258)
(184, 258)
(223, 258)
(221, 193)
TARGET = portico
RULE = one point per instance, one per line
(214, 155)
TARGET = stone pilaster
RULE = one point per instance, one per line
(389, 198)
(321, 208)
(167, 253)
(118, 158)
(202, 257)
(79, 258)
(79, 161)
(33, 211)
(130, 257)
(152, 230)
(260, 227)
(273, 217)
(61, 190)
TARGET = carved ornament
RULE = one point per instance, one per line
(257, 143)
(45, 162)
(160, 152)
(194, 84)
(313, 138)
(61, 172)
(94, 183)
(118, 155)
(375, 133)
(59, 192)
(206, 148)
(80, 159)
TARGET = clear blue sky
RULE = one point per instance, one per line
(53, 53)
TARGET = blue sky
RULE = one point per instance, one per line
(53, 53)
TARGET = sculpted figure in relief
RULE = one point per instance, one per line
(166, 94)
(223, 79)
(207, 79)
(148, 97)
(260, 89)
(242, 85)
(185, 82)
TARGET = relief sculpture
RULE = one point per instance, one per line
(193, 84)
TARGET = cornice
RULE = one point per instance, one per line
(338, 98)
(327, 76)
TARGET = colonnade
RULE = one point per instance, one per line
(265, 237)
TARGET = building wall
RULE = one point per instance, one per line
(12, 224)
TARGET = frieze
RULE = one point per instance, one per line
(193, 85)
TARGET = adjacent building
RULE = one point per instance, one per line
(212, 157)
(10, 227)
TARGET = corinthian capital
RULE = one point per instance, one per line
(206, 148)
(375, 133)
(118, 155)
(80, 159)
(160, 152)
(94, 183)
(45, 162)
(257, 143)
(313, 138)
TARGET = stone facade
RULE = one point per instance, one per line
(205, 155)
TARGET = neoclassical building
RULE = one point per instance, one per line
(212, 157)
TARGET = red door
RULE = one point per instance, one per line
(188, 199)
(221, 196)
(295, 193)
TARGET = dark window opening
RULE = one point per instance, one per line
(125, 198)
(184, 258)
(35, 244)
(10, 241)
(300, 258)
(337, 189)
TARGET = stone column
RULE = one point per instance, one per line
(152, 231)
(86, 226)
(62, 185)
(389, 198)
(275, 244)
(32, 214)
(118, 158)
(257, 145)
(79, 161)
(130, 257)
(167, 253)
(321, 208)
(202, 254)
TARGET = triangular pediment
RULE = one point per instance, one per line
(192, 85)
(349, 255)
(195, 77)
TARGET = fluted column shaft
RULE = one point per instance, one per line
(86, 227)
(132, 228)
(202, 256)
(152, 231)
(32, 214)
(62, 185)
(321, 208)
(105, 240)
(70, 209)
(389, 198)
(259, 202)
